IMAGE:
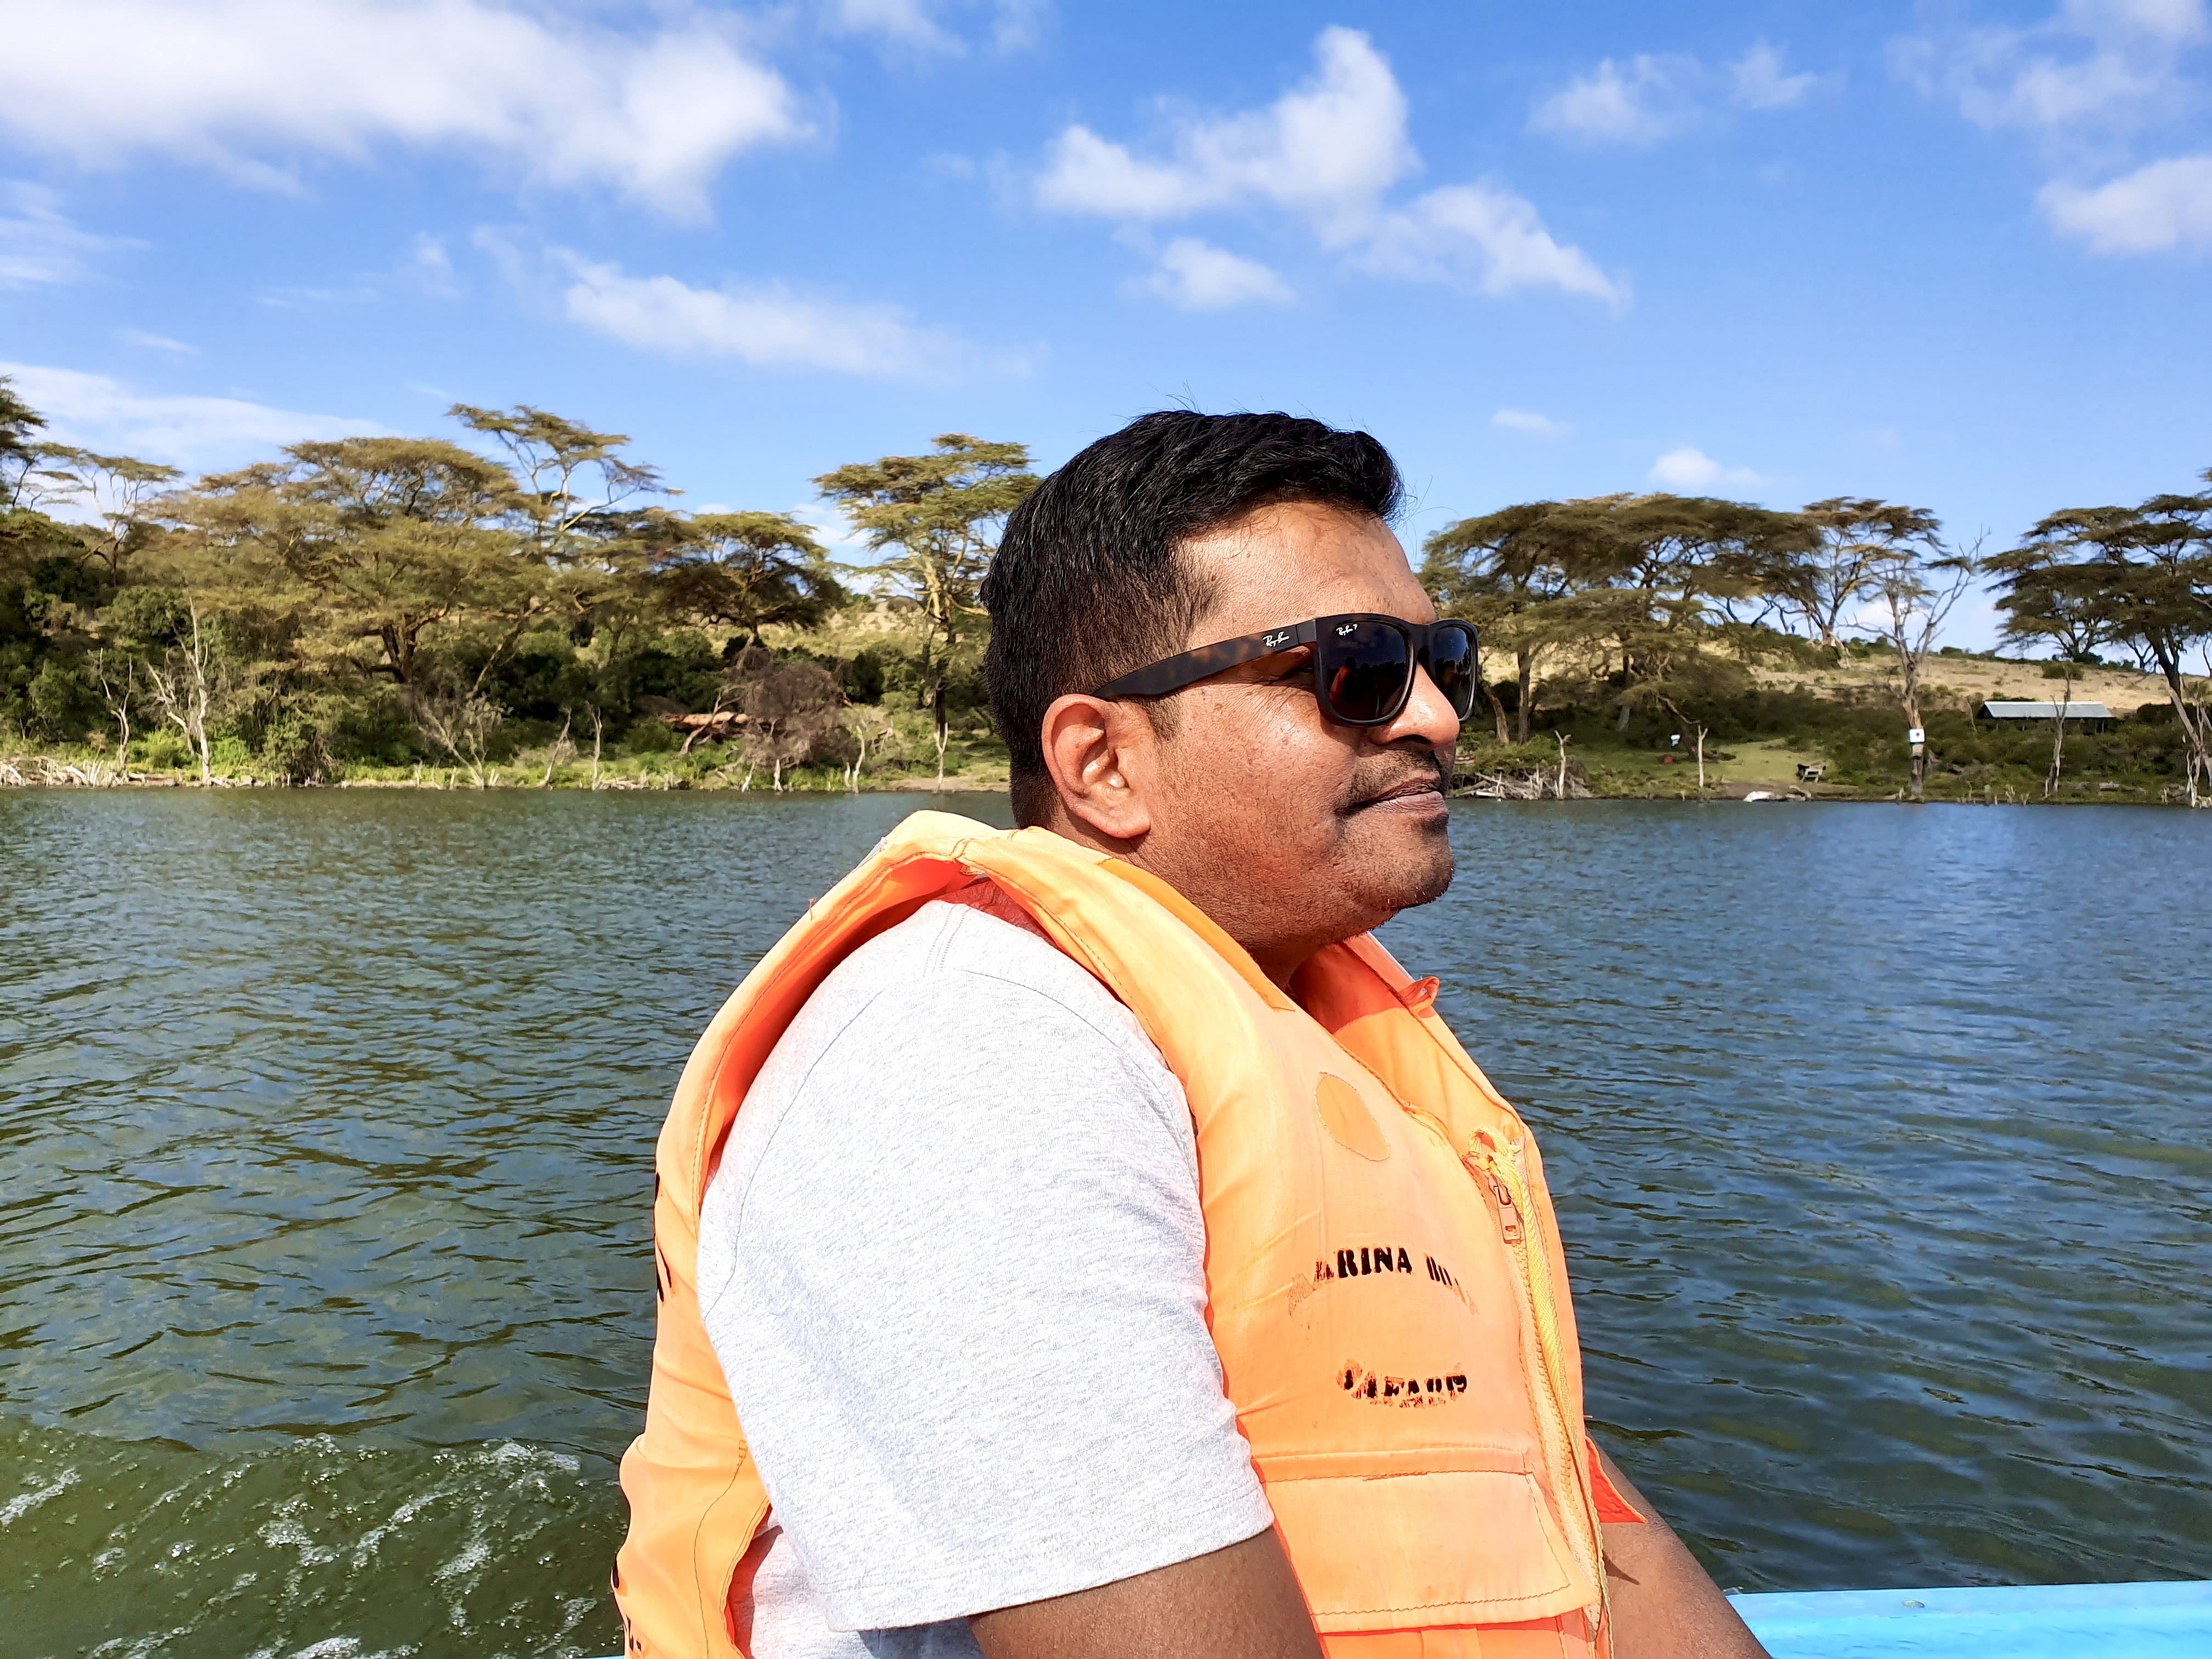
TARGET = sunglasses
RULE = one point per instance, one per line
(1363, 665)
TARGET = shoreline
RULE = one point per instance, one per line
(18, 773)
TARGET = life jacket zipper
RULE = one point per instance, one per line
(1486, 1162)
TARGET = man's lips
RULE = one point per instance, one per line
(1418, 791)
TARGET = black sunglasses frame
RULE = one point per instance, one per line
(1203, 662)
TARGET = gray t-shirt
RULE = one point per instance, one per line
(953, 1265)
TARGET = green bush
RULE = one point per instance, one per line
(292, 750)
(862, 677)
(652, 737)
(162, 749)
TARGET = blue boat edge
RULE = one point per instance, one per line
(2152, 1619)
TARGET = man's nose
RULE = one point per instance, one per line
(1428, 716)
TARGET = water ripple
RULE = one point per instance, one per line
(327, 1119)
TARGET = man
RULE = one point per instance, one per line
(1103, 1246)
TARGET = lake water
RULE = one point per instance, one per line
(327, 1124)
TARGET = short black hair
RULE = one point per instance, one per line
(1089, 582)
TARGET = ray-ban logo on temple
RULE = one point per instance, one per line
(1364, 666)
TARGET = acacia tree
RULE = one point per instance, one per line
(935, 521)
(19, 445)
(2151, 571)
(1856, 539)
(1915, 588)
(2057, 601)
(389, 538)
(1646, 574)
(566, 475)
(115, 489)
(570, 514)
(739, 570)
(1504, 572)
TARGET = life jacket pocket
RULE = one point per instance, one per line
(1419, 1537)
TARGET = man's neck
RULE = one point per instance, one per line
(1278, 958)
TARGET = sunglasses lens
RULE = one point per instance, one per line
(1366, 669)
(1452, 666)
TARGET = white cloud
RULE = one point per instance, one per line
(1760, 83)
(191, 432)
(140, 337)
(315, 299)
(254, 85)
(2100, 64)
(1488, 238)
(1019, 24)
(1642, 101)
(1327, 149)
(2153, 210)
(430, 268)
(1523, 420)
(766, 327)
(1195, 275)
(902, 23)
(920, 26)
(1328, 152)
(38, 245)
(842, 539)
(1687, 469)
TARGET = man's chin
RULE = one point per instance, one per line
(1408, 857)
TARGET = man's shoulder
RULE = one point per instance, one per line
(951, 1040)
(949, 966)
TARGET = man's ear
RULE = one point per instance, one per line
(1101, 755)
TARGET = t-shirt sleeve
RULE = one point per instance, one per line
(963, 1307)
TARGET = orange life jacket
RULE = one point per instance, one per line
(1386, 1287)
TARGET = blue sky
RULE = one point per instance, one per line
(1954, 254)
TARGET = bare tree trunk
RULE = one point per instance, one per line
(1525, 664)
(1497, 713)
(2058, 737)
(937, 704)
(860, 761)
(721, 692)
(181, 688)
(118, 698)
(1562, 737)
(2193, 722)
(1911, 702)
(598, 727)
(554, 756)
(1917, 611)
(199, 667)
(461, 723)
(1701, 762)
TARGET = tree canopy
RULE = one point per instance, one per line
(524, 579)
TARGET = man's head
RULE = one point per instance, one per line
(1182, 530)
